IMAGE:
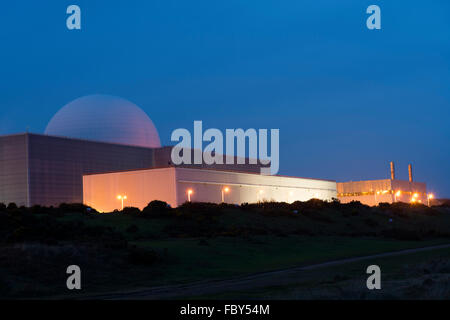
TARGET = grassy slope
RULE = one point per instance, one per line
(421, 275)
(227, 257)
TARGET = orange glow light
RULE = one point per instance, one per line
(226, 189)
(120, 197)
(189, 193)
(399, 193)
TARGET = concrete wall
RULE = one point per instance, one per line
(171, 185)
(14, 169)
(100, 191)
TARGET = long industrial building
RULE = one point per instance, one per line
(103, 134)
(374, 192)
(176, 185)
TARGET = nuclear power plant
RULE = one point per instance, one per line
(373, 192)
(105, 152)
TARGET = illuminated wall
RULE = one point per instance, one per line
(373, 192)
(172, 185)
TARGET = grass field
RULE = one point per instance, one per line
(422, 275)
(132, 250)
(199, 259)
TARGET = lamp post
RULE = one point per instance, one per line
(289, 196)
(376, 200)
(429, 197)
(189, 193)
(260, 193)
(224, 190)
(122, 198)
(396, 195)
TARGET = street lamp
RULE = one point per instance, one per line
(224, 190)
(430, 196)
(122, 198)
(289, 196)
(397, 195)
(259, 195)
(376, 200)
(189, 193)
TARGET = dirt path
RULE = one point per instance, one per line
(256, 280)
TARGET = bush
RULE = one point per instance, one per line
(131, 211)
(74, 208)
(12, 206)
(199, 211)
(156, 208)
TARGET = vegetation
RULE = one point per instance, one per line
(421, 275)
(197, 241)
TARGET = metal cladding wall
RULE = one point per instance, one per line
(171, 185)
(13, 170)
(57, 166)
(373, 192)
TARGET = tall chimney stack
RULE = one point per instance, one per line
(392, 171)
(410, 173)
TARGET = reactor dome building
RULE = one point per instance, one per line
(104, 118)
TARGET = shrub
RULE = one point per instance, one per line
(131, 211)
(156, 208)
(12, 206)
(199, 211)
(74, 208)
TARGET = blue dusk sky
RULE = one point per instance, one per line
(347, 100)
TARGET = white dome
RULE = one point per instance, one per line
(104, 118)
